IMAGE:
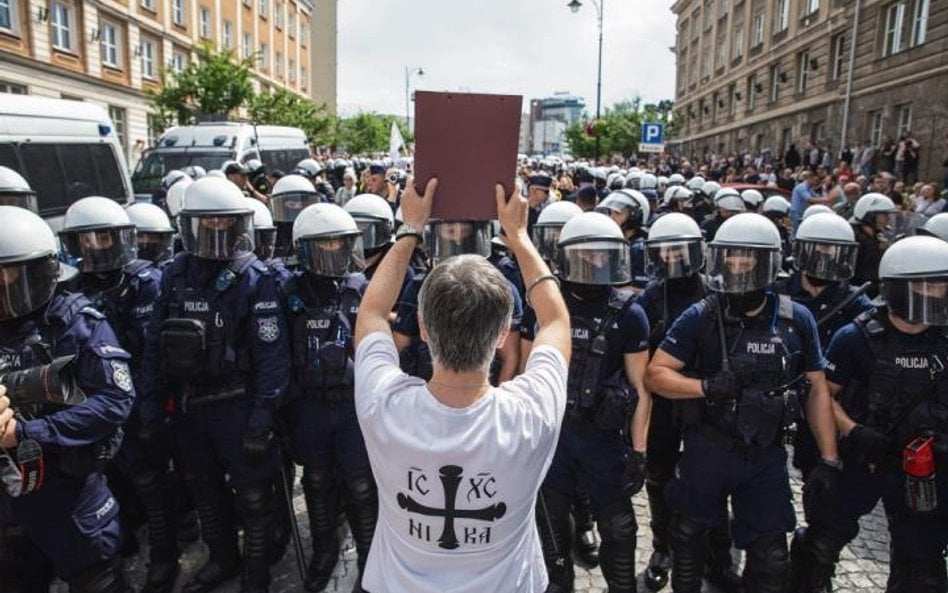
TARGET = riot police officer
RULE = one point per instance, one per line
(603, 438)
(629, 209)
(15, 191)
(728, 202)
(322, 301)
(777, 209)
(546, 230)
(538, 196)
(159, 198)
(264, 234)
(674, 258)
(745, 351)
(872, 220)
(753, 199)
(676, 198)
(887, 371)
(219, 344)
(154, 235)
(98, 237)
(291, 194)
(936, 226)
(57, 515)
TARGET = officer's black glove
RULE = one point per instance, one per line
(256, 444)
(870, 442)
(721, 386)
(633, 478)
(821, 486)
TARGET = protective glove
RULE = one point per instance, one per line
(821, 487)
(258, 437)
(870, 442)
(721, 386)
(633, 478)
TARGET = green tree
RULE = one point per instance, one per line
(618, 130)
(285, 108)
(369, 132)
(213, 84)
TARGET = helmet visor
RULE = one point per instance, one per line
(155, 247)
(286, 207)
(21, 200)
(27, 286)
(596, 262)
(264, 240)
(826, 261)
(546, 238)
(217, 236)
(674, 259)
(375, 233)
(741, 269)
(99, 250)
(448, 239)
(924, 300)
(331, 256)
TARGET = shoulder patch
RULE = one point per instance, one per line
(121, 375)
(268, 329)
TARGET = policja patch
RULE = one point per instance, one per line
(121, 375)
(268, 330)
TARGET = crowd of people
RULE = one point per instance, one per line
(476, 400)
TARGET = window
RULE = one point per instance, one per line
(64, 173)
(264, 8)
(227, 35)
(264, 56)
(905, 118)
(278, 15)
(60, 19)
(720, 54)
(9, 19)
(148, 5)
(291, 25)
(278, 63)
(292, 68)
(751, 92)
(246, 48)
(839, 55)
(708, 14)
(735, 97)
(177, 12)
(13, 89)
(919, 22)
(110, 42)
(724, 8)
(715, 106)
(810, 7)
(204, 22)
(179, 60)
(894, 17)
(693, 70)
(803, 69)
(154, 128)
(775, 75)
(705, 65)
(782, 15)
(304, 81)
(758, 35)
(739, 41)
(117, 115)
(148, 52)
(875, 127)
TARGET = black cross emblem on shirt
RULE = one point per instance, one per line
(450, 480)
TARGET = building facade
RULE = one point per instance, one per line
(110, 52)
(759, 74)
(549, 118)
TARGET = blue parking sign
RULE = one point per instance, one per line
(653, 133)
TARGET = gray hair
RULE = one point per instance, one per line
(465, 304)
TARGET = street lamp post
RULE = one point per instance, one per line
(574, 6)
(408, 72)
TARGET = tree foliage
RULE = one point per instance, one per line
(368, 132)
(618, 130)
(285, 108)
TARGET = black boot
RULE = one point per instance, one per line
(919, 576)
(656, 573)
(617, 553)
(813, 557)
(131, 509)
(107, 577)
(322, 505)
(215, 506)
(585, 538)
(660, 563)
(721, 570)
(157, 495)
(689, 547)
(255, 507)
(282, 529)
(364, 502)
(554, 528)
(768, 565)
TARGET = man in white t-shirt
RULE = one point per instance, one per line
(458, 463)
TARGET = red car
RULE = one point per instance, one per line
(763, 189)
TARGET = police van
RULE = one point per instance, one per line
(66, 150)
(210, 144)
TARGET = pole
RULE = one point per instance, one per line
(599, 6)
(849, 80)
(407, 106)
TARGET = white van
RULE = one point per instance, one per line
(66, 150)
(210, 144)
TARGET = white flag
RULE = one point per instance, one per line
(395, 142)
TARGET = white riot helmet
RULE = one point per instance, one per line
(675, 246)
(217, 221)
(710, 188)
(292, 194)
(153, 232)
(874, 209)
(448, 238)
(676, 179)
(825, 248)
(175, 198)
(728, 199)
(171, 177)
(264, 231)
(648, 181)
(662, 183)
(97, 235)
(677, 193)
(816, 209)
(29, 266)
(328, 241)
(373, 216)
(752, 199)
(308, 168)
(695, 184)
(634, 179)
(936, 226)
(195, 172)
(914, 276)
(546, 230)
(776, 205)
(632, 203)
(744, 255)
(615, 181)
(593, 250)
(15, 191)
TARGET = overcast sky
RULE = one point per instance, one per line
(526, 47)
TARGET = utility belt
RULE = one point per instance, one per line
(756, 418)
(609, 409)
(197, 396)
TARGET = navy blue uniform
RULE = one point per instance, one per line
(640, 277)
(69, 526)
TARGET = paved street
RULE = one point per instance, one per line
(863, 567)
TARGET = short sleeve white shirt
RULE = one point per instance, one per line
(457, 486)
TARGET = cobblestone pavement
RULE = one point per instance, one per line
(863, 566)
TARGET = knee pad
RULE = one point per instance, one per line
(617, 523)
(318, 481)
(253, 499)
(361, 487)
(768, 556)
(147, 480)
